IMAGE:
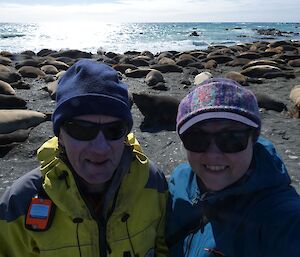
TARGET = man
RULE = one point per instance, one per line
(95, 192)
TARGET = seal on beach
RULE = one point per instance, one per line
(220, 59)
(19, 135)
(10, 76)
(258, 71)
(60, 65)
(11, 120)
(122, 67)
(31, 72)
(267, 102)
(154, 77)
(164, 68)
(51, 89)
(295, 97)
(12, 102)
(137, 73)
(202, 77)
(5, 61)
(158, 110)
(49, 69)
(6, 88)
(166, 60)
(238, 77)
(4, 68)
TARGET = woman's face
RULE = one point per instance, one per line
(216, 169)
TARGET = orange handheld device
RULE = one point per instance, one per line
(39, 214)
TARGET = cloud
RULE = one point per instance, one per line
(155, 11)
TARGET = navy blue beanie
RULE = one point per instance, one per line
(90, 87)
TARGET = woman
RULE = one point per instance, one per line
(234, 197)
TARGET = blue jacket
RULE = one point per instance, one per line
(259, 216)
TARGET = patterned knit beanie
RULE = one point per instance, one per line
(218, 98)
(90, 87)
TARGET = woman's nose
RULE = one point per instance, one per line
(213, 148)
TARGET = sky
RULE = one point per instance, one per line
(116, 11)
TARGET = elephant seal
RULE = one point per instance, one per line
(72, 53)
(31, 72)
(122, 67)
(248, 55)
(268, 103)
(164, 68)
(295, 97)
(19, 135)
(6, 88)
(60, 65)
(154, 77)
(262, 62)
(11, 120)
(157, 109)
(12, 102)
(51, 89)
(10, 76)
(49, 69)
(4, 68)
(5, 61)
(220, 59)
(294, 63)
(211, 64)
(238, 77)
(202, 77)
(166, 60)
(237, 62)
(28, 62)
(258, 71)
(137, 73)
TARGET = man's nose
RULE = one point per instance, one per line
(99, 143)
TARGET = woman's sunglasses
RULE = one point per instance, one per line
(86, 130)
(229, 141)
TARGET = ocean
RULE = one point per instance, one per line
(155, 37)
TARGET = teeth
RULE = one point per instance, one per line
(215, 167)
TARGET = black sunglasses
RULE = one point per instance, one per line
(230, 141)
(86, 130)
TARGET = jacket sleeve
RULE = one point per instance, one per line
(161, 246)
(15, 239)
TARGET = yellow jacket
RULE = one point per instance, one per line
(132, 221)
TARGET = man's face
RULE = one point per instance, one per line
(94, 160)
(216, 169)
